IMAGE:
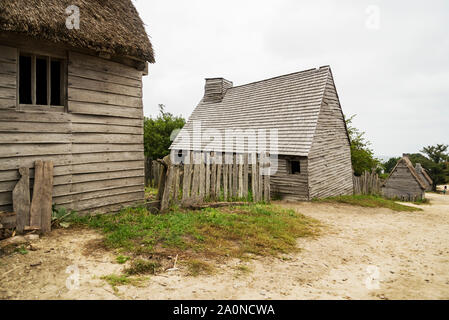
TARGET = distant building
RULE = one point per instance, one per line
(404, 182)
(314, 156)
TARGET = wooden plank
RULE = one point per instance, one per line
(196, 175)
(7, 103)
(202, 183)
(235, 173)
(176, 180)
(168, 189)
(38, 195)
(245, 175)
(96, 97)
(102, 86)
(240, 172)
(78, 60)
(225, 169)
(218, 182)
(187, 177)
(104, 110)
(106, 138)
(47, 200)
(207, 192)
(19, 137)
(41, 127)
(21, 200)
(213, 180)
(104, 128)
(254, 179)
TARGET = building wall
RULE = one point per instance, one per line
(287, 186)
(96, 143)
(402, 185)
(329, 167)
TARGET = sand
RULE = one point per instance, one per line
(362, 253)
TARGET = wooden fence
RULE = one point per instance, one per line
(368, 183)
(152, 172)
(205, 178)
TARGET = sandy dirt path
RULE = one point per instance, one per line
(362, 254)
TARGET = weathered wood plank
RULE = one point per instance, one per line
(21, 200)
(38, 194)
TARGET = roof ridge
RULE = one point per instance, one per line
(280, 76)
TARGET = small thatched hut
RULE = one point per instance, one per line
(71, 92)
(404, 182)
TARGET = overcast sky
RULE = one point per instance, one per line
(390, 59)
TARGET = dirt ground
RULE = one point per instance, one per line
(362, 254)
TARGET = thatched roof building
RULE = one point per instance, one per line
(74, 96)
(313, 148)
(105, 26)
(404, 182)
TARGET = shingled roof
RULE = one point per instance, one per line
(289, 103)
(110, 26)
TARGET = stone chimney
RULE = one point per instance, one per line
(215, 89)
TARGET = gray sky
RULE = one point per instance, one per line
(390, 59)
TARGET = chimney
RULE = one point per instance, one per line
(406, 155)
(215, 89)
(418, 168)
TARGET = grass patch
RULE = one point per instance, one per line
(242, 270)
(122, 259)
(422, 201)
(196, 267)
(368, 202)
(120, 280)
(21, 250)
(212, 232)
(140, 266)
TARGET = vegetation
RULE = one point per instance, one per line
(158, 133)
(196, 267)
(369, 202)
(212, 233)
(362, 156)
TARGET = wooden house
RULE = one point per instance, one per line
(404, 182)
(74, 96)
(313, 148)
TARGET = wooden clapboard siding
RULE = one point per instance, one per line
(8, 77)
(96, 147)
(287, 186)
(329, 168)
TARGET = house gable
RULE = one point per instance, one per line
(330, 168)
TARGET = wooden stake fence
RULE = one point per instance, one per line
(206, 177)
(367, 183)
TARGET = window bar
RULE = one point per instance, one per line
(33, 79)
(48, 81)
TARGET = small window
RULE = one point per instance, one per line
(295, 167)
(41, 80)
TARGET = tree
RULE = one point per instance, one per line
(437, 166)
(390, 164)
(158, 133)
(362, 156)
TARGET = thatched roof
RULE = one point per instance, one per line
(290, 103)
(412, 170)
(111, 26)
